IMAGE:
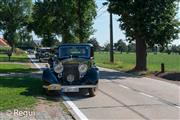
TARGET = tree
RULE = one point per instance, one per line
(61, 18)
(95, 43)
(65, 13)
(43, 22)
(175, 49)
(131, 47)
(14, 14)
(25, 39)
(147, 22)
(106, 46)
(120, 46)
(86, 10)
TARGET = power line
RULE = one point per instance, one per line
(101, 0)
(100, 8)
(101, 14)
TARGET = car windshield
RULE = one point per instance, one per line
(74, 51)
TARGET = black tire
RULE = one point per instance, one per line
(50, 92)
(92, 92)
(83, 91)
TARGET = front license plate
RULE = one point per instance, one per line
(54, 87)
(70, 89)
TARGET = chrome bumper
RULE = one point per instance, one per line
(73, 86)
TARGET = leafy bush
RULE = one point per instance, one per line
(19, 51)
(4, 49)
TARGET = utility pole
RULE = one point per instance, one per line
(111, 51)
(111, 39)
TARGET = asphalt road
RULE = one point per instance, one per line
(122, 96)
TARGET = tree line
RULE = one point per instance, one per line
(122, 46)
(70, 20)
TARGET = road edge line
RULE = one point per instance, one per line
(74, 108)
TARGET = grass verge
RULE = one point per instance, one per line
(19, 92)
(15, 68)
(14, 58)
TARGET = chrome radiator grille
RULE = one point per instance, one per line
(71, 69)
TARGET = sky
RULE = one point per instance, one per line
(101, 25)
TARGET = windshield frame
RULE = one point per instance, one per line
(87, 57)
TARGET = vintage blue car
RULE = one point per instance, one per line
(72, 70)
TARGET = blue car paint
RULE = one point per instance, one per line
(91, 77)
(49, 77)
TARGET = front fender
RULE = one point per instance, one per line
(48, 76)
(93, 74)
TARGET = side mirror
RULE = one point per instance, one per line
(92, 52)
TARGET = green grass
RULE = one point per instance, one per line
(14, 58)
(15, 68)
(19, 92)
(6, 66)
(127, 61)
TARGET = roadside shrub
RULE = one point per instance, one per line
(19, 51)
(4, 50)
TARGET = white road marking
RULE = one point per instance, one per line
(75, 108)
(145, 94)
(178, 107)
(66, 98)
(34, 62)
(124, 86)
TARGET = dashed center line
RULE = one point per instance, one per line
(124, 86)
(145, 94)
(178, 107)
(137, 92)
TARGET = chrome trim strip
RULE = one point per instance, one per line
(80, 86)
(75, 86)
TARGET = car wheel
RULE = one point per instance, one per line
(51, 93)
(92, 92)
(83, 91)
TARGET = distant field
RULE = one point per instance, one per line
(127, 61)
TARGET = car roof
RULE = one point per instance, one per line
(45, 48)
(79, 44)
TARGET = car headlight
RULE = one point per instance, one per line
(82, 68)
(58, 68)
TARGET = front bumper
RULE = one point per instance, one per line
(69, 88)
